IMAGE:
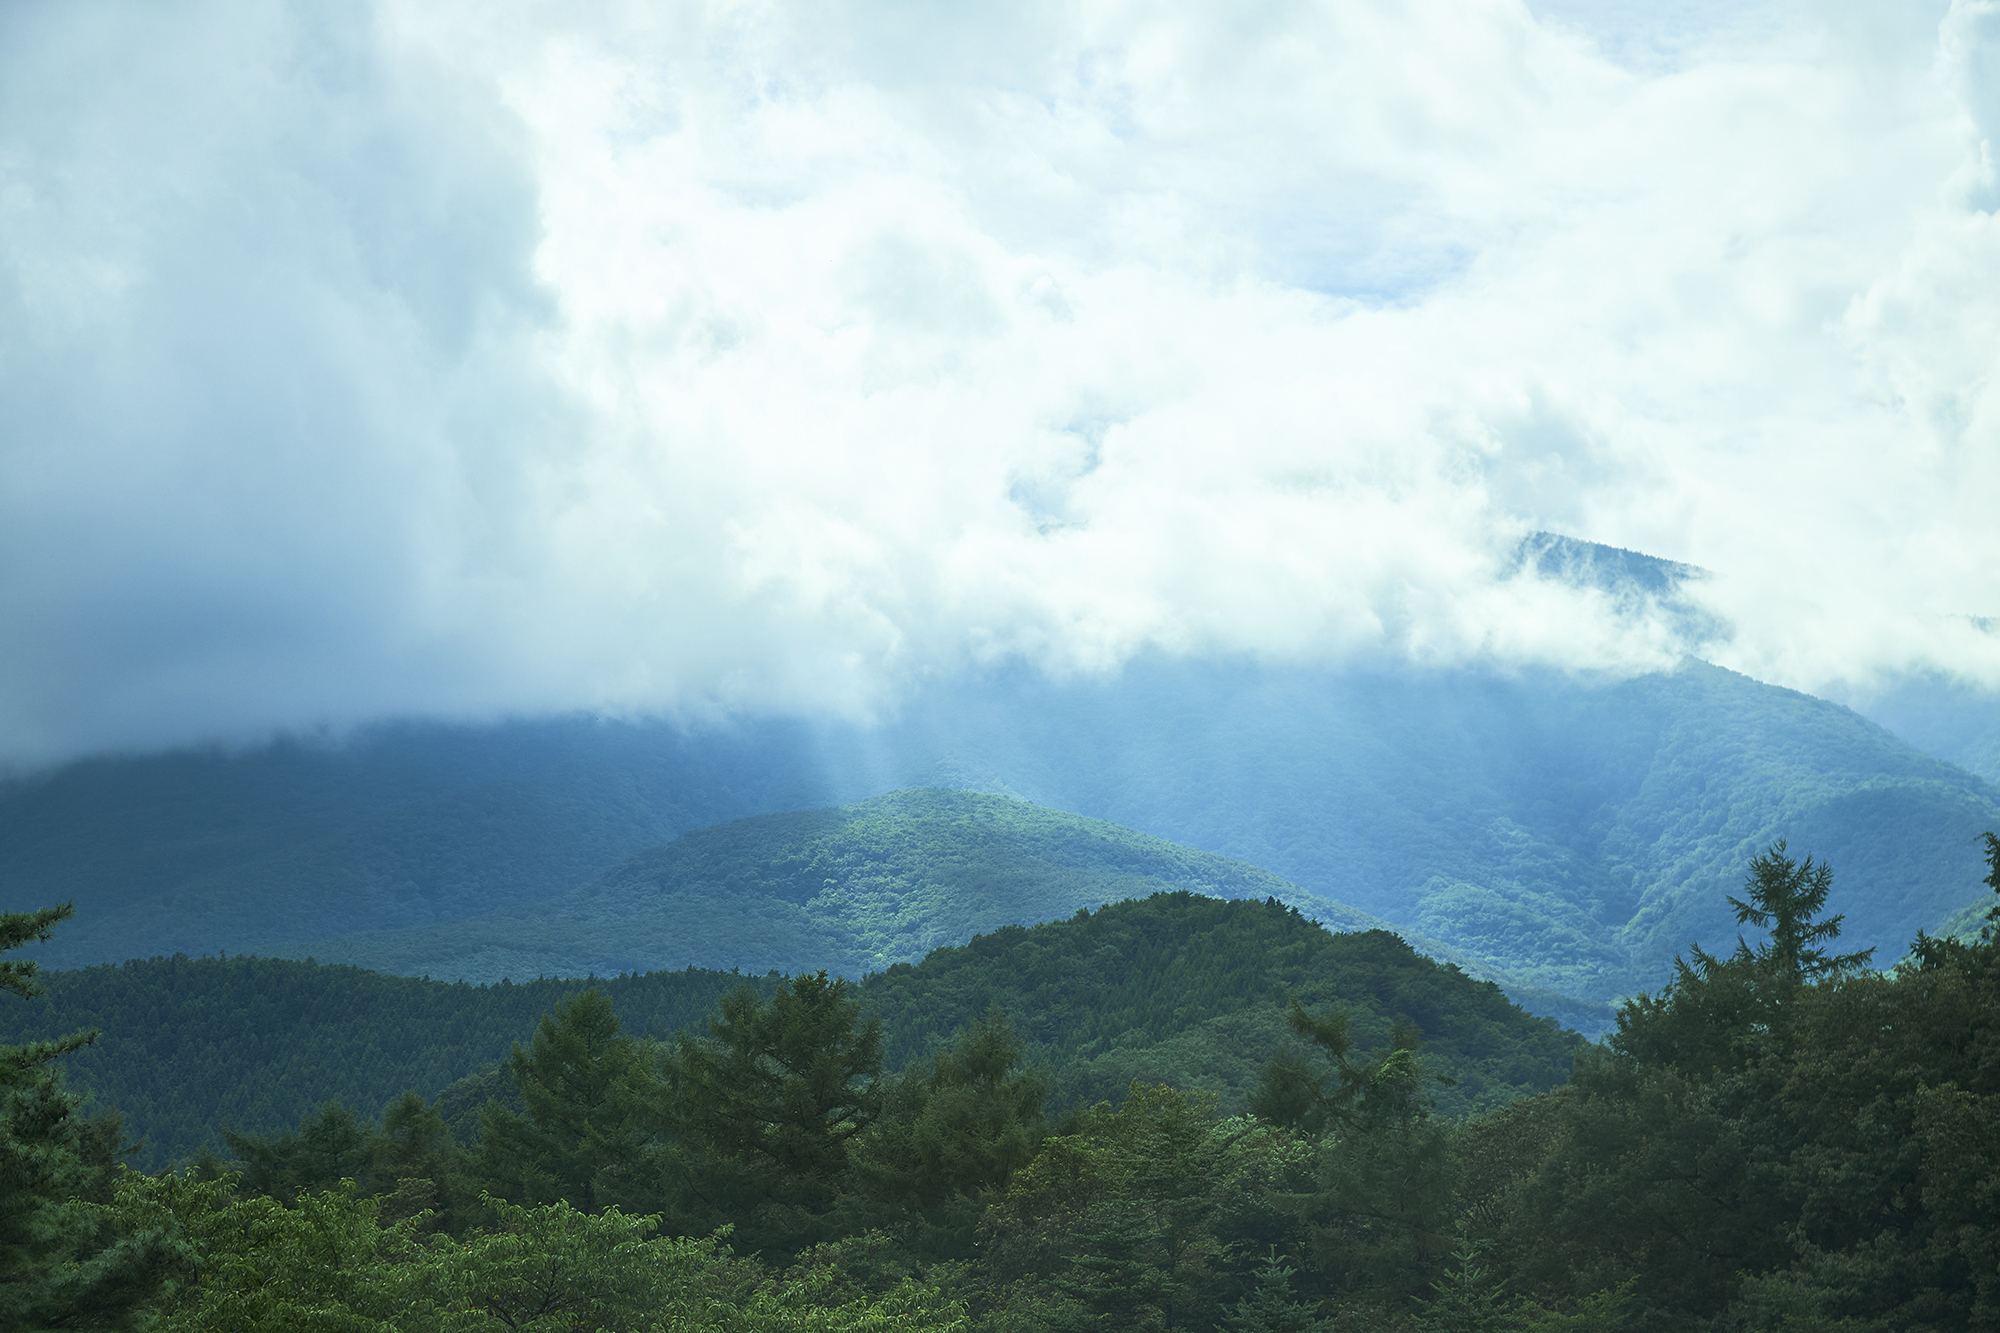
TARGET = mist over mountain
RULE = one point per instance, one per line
(1951, 719)
(1560, 831)
(428, 361)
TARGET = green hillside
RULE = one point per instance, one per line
(852, 889)
(1174, 988)
(1191, 991)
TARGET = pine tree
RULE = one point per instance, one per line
(415, 1162)
(585, 1086)
(63, 1261)
(1992, 881)
(1270, 1307)
(1365, 1095)
(329, 1146)
(791, 1080)
(1468, 1298)
(1785, 898)
(961, 1121)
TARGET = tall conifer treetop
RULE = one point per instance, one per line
(1785, 898)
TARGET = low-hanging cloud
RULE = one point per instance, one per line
(469, 359)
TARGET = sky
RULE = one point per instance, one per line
(468, 360)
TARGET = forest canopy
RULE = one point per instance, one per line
(1781, 1137)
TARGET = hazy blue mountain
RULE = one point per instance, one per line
(1947, 718)
(1567, 833)
(1636, 584)
(397, 825)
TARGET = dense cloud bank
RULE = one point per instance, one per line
(468, 359)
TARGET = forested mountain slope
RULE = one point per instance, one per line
(1176, 988)
(1572, 834)
(852, 889)
(240, 850)
(1575, 834)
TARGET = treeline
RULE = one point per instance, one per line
(1175, 989)
(189, 1046)
(1780, 1138)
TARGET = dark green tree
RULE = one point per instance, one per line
(960, 1122)
(1118, 1223)
(1786, 898)
(1343, 1091)
(66, 1260)
(416, 1164)
(765, 1113)
(329, 1146)
(1992, 881)
(1270, 1306)
(586, 1087)
(1719, 1014)
(1467, 1299)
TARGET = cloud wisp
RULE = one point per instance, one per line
(472, 359)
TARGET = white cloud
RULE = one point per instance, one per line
(479, 358)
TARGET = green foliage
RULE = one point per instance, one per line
(1468, 1298)
(960, 1121)
(1269, 1308)
(1349, 1094)
(1827, 1163)
(328, 1147)
(1176, 988)
(585, 1086)
(1775, 1141)
(254, 1044)
(1195, 992)
(1129, 1218)
(766, 1111)
(65, 1259)
(326, 1264)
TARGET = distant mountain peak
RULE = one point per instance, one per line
(1637, 584)
(1611, 569)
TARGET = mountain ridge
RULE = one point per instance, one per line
(1566, 834)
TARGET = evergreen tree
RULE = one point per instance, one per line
(65, 1261)
(1719, 1014)
(1992, 881)
(960, 1122)
(1786, 897)
(766, 1112)
(1270, 1308)
(329, 1146)
(1467, 1298)
(415, 1162)
(585, 1086)
(1345, 1092)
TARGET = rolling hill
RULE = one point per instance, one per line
(853, 889)
(1174, 988)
